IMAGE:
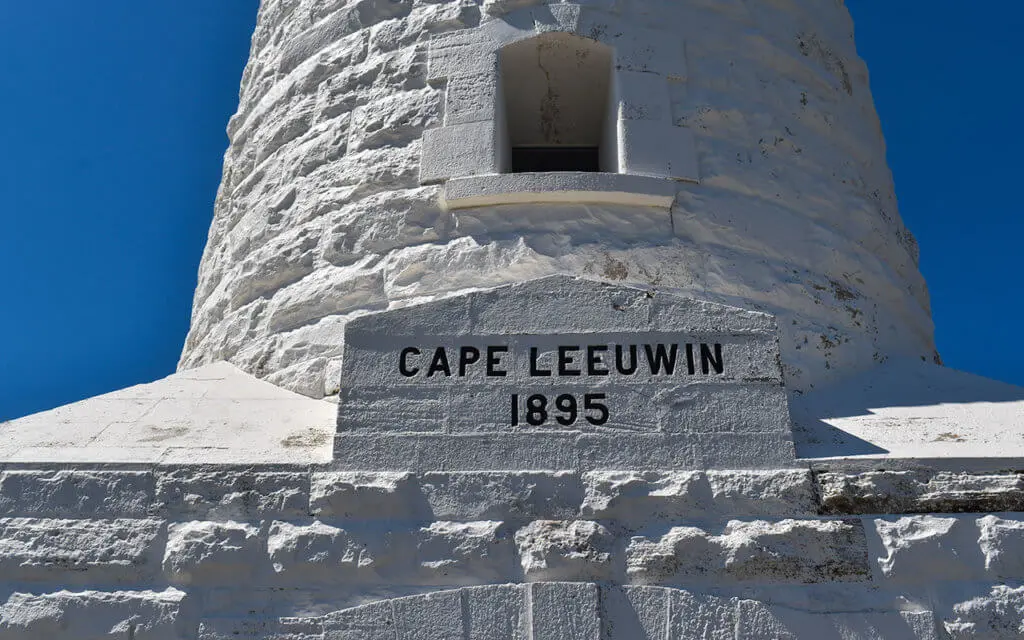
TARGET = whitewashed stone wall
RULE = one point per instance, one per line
(321, 215)
(308, 552)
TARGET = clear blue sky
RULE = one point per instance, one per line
(112, 119)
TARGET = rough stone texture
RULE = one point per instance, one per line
(78, 494)
(321, 216)
(788, 551)
(1002, 542)
(96, 551)
(756, 620)
(232, 494)
(319, 552)
(930, 548)
(464, 552)
(997, 615)
(920, 491)
(366, 496)
(554, 550)
(278, 573)
(90, 615)
(212, 552)
(629, 496)
(500, 496)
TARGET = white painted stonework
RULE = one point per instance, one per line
(323, 215)
(428, 394)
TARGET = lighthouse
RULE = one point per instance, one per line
(390, 153)
(529, 320)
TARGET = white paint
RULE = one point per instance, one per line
(322, 217)
(207, 414)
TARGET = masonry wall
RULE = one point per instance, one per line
(321, 215)
(296, 553)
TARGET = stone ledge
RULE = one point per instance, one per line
(566, 187)
(632, 497)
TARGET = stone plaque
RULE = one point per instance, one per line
(559, 358)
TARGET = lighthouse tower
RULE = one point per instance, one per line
(536, 320)
(391, 152)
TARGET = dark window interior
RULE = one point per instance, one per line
(545, 159)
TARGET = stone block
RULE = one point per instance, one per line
(76, 493)
(578, 550)
(996, 615)
(563, 357)
(696, 616)
(212, 553)
(758, 620)
(796, 551)
(564, 611)
(452, 56)
(766, 450)
(374, 621)
(232, 494)
(501, 496)
(785, 492)
(758, 551)
(485, 452)
(496, 612)
(633, 613)
(920, 491)
(458, 150)
(464, 552)
(924, 548)
(1002, 543)
(367, 496)
(118, 551)
(635, 498)
(435, 616)
(318, 552)
(394, 121)
(67, 615)
(471, 98)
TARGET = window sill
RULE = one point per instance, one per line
(559, 187)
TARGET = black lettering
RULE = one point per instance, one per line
(467, 356)
(622, 368)
(535, 370)
(709, 361)
(591, 402)
(594, 354)
(493, 360)
(439, 363)
(657, 358)
(403, 364)
(690, 368)
(564, 360)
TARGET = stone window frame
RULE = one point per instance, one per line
(468, 152)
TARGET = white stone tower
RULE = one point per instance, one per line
(387, 152)
(620, 334)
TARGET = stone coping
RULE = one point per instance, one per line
(896, 417)
(626, 496)
(559, 187)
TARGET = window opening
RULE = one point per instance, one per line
(555, 96)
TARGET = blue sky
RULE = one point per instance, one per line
(112, 119)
